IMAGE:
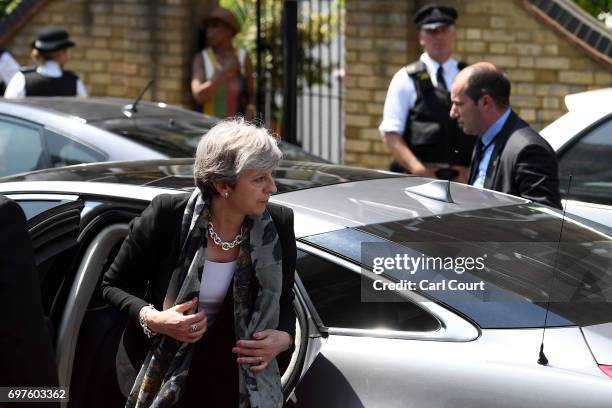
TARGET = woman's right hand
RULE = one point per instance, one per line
(173, 322)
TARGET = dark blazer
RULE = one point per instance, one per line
(141, 272)
(522, 164)
(26, 351)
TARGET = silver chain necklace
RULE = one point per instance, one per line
(226, 246)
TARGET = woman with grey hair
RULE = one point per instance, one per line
(216, 269)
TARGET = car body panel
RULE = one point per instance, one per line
(599, 337)
(410, 373)
(378, 201)
(599, 213)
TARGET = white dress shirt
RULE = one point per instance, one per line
(402, 94)
(51, 69)
(8, 67)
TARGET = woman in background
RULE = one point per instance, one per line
(222, 76)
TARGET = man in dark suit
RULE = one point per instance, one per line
(26, 353)
(510, 156)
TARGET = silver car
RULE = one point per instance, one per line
(582, 139)
(39, 133)
(466, 334)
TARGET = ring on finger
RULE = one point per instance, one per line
(260, 359)
(193, 328)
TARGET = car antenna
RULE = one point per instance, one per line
(542, 360)
(132, 106)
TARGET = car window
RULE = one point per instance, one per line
(588, 162)
(336, 293)
(32, 208)
(21, 148)
(64, 151)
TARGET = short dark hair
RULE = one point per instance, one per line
(488, 81)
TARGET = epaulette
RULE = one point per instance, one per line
(418, 72)
(415, 68)
(27, 69)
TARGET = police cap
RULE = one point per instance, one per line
(51, 39)
(433, 16)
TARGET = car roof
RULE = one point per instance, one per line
(93, 109)
(584, 110)
(155, 131)
(598, 99)
(332, 196)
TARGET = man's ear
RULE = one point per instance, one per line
(486, 102)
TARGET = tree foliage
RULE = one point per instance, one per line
(597, 8)
(7, 6)
(314, 28)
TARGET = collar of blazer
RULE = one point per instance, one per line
(500, 142)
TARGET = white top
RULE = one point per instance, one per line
(216, 279)
(51, 69)
(8, 67)
(402, 95)
(209, 65)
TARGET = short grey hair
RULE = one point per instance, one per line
(230, 147)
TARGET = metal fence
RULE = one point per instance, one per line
(320, 69)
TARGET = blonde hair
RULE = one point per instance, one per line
(42, 56)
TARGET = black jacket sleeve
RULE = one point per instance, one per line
(142, 260)
(537, 175)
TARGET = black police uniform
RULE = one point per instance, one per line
(432, 135)
(40, 85)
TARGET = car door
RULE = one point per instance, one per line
(366, 353)
(587, 161)
(74, 239)
(54, 225)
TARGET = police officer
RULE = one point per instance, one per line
(50, 51)
(416, 126)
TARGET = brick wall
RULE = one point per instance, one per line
(380, 39)
(123, 44)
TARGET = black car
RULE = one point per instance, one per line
(38, 133)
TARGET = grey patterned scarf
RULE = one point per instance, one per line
(162, 378)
